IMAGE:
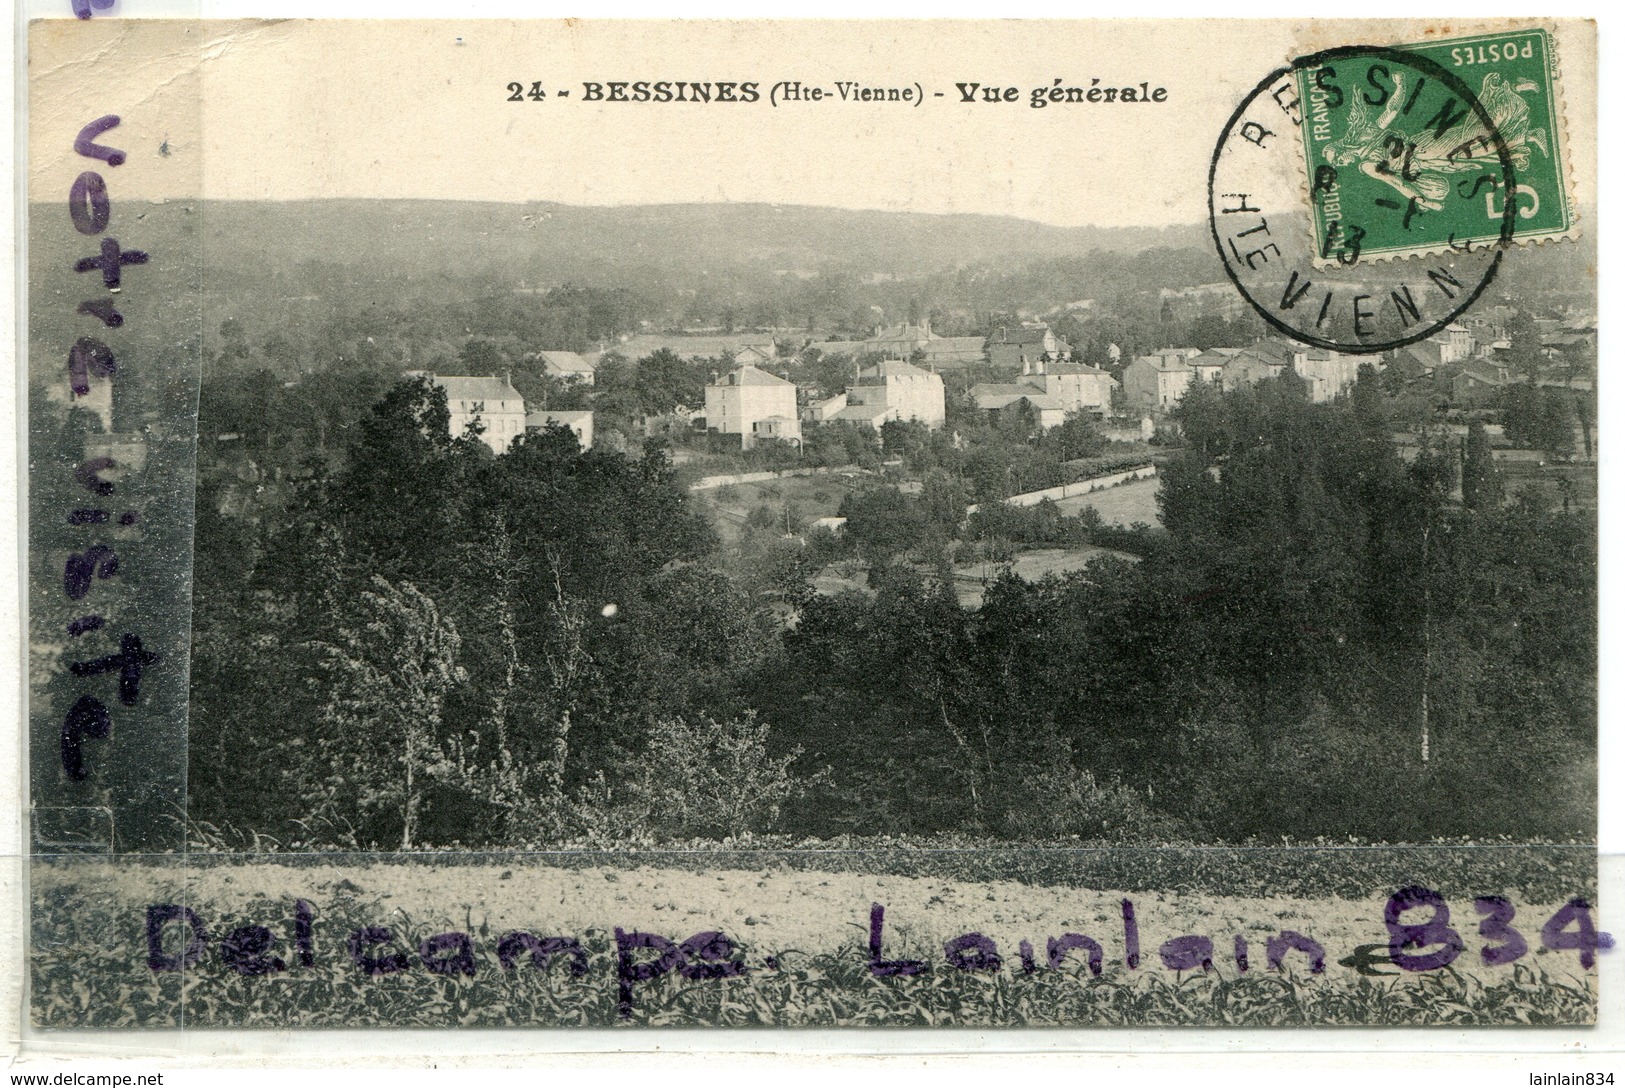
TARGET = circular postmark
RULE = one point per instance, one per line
(1362, 198)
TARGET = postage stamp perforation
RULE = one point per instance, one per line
(1556, 123)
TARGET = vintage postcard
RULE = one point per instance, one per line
(756, 524)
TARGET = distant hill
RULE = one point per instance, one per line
(552, 243)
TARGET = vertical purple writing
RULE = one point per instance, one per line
(90, 209)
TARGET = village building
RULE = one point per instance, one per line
(579, 423)
(753, 404)
(1011, 349)
(909, 341)
(1002, 400)
(823, 409)
(1036, 410)
(1455, 343)
(993, 396)
(1249, 367)
(867, 415)
(1478, 382)
(492, 402)
(566, 366)
(1329, 373)
(1073, 387)
(1424, 357)
(1209, 365)
(1078, 386)
(1155, 383)
(776, 428)
(915, 393)
(755, 355)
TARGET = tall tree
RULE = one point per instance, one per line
(1480, 482)
(386, 675)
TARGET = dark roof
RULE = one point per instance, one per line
(1026, 334)
(862, 411)
(749, 375)
(1044, 402)
(892, 368)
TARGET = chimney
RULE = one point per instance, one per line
(1026, 367)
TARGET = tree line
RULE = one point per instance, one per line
(430, 645)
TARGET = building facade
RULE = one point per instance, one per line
(745, 397)
(491, 402)
(1012, 348)
(912, 392)
(1155, 383)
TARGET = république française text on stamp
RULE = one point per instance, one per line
(1445, 152)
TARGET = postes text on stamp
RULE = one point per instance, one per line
(1403, 161)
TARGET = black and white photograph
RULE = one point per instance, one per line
(811, 524)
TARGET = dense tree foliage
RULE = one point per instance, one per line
(445, 646)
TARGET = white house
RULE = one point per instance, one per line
(914, 393)
(745, 397)
(494, 402)
(567, 366)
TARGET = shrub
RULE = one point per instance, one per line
(1065, 801)
(702, 779)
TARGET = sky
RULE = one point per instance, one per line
(308, 109)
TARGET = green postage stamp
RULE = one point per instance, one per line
(1435, 146)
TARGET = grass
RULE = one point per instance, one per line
(971, 580)
(89, 955)
(1123, 505)
(799, 989)
(808, 497)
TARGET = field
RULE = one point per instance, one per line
(998, 937)
(805, 498)
(1123, 505)
(1554, 482)
(970, 582)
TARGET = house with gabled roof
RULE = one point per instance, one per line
(866, 415)
(1478, 381)
(491, 402)
(914, 392)
(746, 396)
(1078, 386)
(1038, 410)
(1209, 365)
(1251, 366)
(566, 366)
(1011, 348)
(1155, 383)
(578, 423)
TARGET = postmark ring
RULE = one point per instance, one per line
(1455, 85)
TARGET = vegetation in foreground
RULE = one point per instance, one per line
(89, 955)
(109, 985)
